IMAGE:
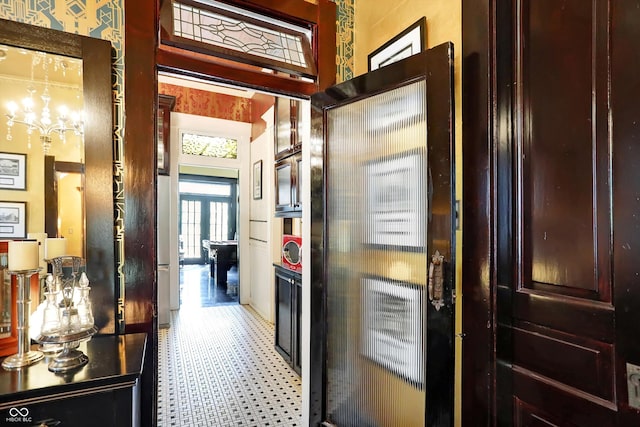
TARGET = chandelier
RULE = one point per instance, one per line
(41, 121)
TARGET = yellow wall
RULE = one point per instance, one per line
(376, 22)
(21, 142)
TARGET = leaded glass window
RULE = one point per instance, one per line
(255, 39)
(209, 146)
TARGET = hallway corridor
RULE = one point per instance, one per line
(217, 367)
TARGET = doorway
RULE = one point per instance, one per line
(208, 207)
(146, 56)
(207, 228)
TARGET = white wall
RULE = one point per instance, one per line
(264, 228)
(305, 131)
(215, 127)
(164, 260)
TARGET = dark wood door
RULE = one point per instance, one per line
(563, 214)
(382, 188)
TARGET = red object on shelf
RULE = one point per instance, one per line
(292, 252)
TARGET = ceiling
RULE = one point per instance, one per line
(26, 65)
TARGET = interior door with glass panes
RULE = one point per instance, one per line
(382, 308)
(207, 212)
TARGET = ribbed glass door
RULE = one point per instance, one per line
(376, 260)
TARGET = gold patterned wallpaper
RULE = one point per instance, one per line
(344, 39)
(204, 103)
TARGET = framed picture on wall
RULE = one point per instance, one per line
(257, 180)
(392, 327)
(13, 220)
(395, 201)
(13, 171)
(407, 43)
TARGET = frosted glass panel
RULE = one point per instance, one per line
(377, 205)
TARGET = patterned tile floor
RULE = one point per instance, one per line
(218, 367)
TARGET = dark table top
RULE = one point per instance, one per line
(287, 270)
(114, 360)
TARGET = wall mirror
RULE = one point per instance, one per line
(42, 101)
(60, 141)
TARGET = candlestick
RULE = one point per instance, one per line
(23, 255)
(40, 237)
(55, 247)
(25, 356)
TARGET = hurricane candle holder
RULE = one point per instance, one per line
(25, 355)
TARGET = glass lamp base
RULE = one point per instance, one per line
(68, 360)
(50, 348)
(18, 361)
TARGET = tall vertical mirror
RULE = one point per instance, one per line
(56, 153)
(43, 144)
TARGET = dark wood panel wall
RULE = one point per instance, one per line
(140, 189)
(478, 108)
(625, 93)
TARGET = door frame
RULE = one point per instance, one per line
(478, 207)
(486, 113)
(141, 45)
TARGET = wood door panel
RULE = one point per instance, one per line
(572, 315)
(559, 404)
(584, 364)
(560, 331)
(526, 415)
(556, 100)
(557, 61)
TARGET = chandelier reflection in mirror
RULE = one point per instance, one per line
(40, 110)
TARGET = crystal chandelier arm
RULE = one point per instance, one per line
(60, 126)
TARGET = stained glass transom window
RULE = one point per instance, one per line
(209, 146)
(224, 31)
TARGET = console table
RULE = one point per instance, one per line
(104, 392)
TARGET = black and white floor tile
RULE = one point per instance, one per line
(218, 367)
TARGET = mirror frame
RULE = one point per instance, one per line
(98, 142)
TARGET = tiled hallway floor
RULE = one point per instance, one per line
(217, 367)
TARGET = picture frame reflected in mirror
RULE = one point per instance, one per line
(13, 220)
(13, 171)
